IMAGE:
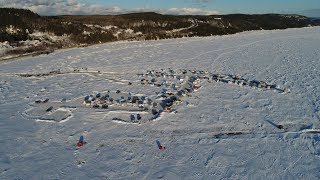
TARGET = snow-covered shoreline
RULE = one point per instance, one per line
(5, 47)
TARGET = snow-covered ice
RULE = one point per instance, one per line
(220, 131)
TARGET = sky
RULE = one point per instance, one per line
(309, 8)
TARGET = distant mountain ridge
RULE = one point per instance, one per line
(22, 31)
(315, 20)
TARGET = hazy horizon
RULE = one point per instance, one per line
(172, 7)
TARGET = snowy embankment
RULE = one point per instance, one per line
(232, 126)
(39, 43)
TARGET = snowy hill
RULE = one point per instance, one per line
(23, 32)
(246, 107)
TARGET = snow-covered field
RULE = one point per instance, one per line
(223, 130)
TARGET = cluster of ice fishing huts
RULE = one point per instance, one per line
(233, 79)
(171, 87)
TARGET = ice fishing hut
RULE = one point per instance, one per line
(132, 118)
(135, 99)
(154, 111)
(104, 106)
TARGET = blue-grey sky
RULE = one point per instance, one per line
(56, 7)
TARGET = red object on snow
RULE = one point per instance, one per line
(79, 144)
(161, 148)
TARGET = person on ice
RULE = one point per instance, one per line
(81, 142)
(160, 146)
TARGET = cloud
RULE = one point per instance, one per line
(173, 11)
(189, 11)
(73, 7)
(197, 3)
(60, 7)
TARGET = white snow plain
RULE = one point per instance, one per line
(221, 131)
